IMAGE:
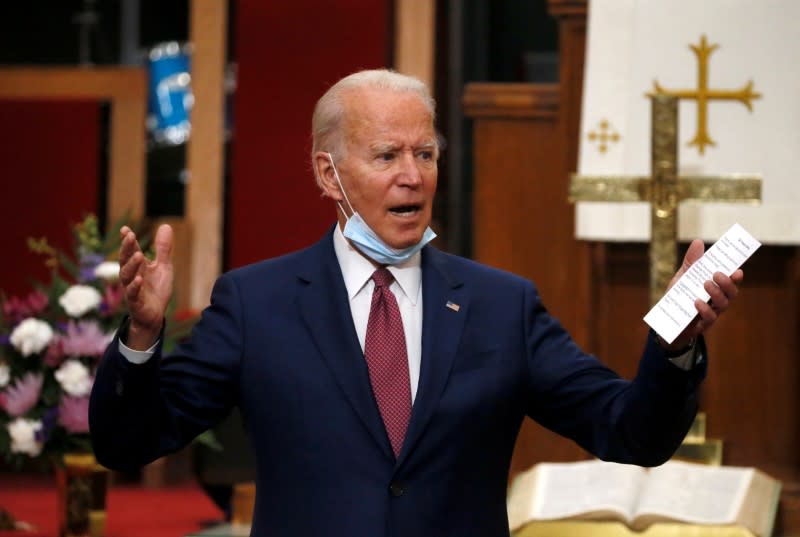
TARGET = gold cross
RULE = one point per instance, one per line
(702, 94)
(664, 191)
(604, 136)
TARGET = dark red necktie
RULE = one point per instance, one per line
(387, 360)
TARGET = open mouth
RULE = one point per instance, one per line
(405, 210)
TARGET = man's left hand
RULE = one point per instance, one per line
(722, 290)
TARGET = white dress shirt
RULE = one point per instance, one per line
(407, 288)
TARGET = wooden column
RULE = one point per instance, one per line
(415, 28)
(197, 253)
(205, 157)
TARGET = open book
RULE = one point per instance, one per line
(674, 492)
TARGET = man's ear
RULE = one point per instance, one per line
(326, 178)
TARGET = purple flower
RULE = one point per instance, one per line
(89, 262)
(23, 395)
(84, 338)
(48, 424)
(73, 414)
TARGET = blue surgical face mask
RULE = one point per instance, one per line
(368, 242)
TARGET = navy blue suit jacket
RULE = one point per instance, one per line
(278, 341)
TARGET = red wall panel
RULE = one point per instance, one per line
(49, 161)
(288, 54)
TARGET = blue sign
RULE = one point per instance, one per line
(170, 100)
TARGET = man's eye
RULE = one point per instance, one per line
(386, 156)
(426, 155)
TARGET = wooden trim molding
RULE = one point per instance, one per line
(518, 100)
(568, 8)
(71, 82)
(126, 90)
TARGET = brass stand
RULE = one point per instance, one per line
(82, 486)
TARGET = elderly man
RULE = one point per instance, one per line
(383, 382)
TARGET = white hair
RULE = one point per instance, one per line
(326, 132)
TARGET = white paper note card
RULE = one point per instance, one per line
(676, 308)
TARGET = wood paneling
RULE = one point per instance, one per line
(751, 395)
(523, 222)
(526, 143)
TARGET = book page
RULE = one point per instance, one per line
(571, 489)
(694, 493)
(676, 308)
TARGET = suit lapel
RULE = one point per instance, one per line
(325, 309)
(445, 306)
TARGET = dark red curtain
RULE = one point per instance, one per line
(49, 166)
(288, 53)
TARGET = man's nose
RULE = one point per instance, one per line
(410, 173)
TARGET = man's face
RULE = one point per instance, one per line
(389, 171)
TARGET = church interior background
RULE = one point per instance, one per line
(507, 76)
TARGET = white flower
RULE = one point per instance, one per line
(23, 436)
(31, 336)
(108, 271)
(5, 375)
(74, 378)
(80, 299)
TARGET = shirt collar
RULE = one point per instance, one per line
(357, 270)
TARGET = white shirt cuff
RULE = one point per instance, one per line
(687, 360)
(137, 357)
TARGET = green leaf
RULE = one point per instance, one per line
(51, 391)
(5, 441)
(210, 440)
(112, 241)
(69, 265)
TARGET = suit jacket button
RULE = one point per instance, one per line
(397, 489)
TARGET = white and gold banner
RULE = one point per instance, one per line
(736, 66)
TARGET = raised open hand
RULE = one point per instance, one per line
(722, 290)
(147, 284)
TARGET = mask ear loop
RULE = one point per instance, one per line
(336, 173)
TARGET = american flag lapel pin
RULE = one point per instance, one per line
(453, 306)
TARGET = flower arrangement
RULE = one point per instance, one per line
(51, 342)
